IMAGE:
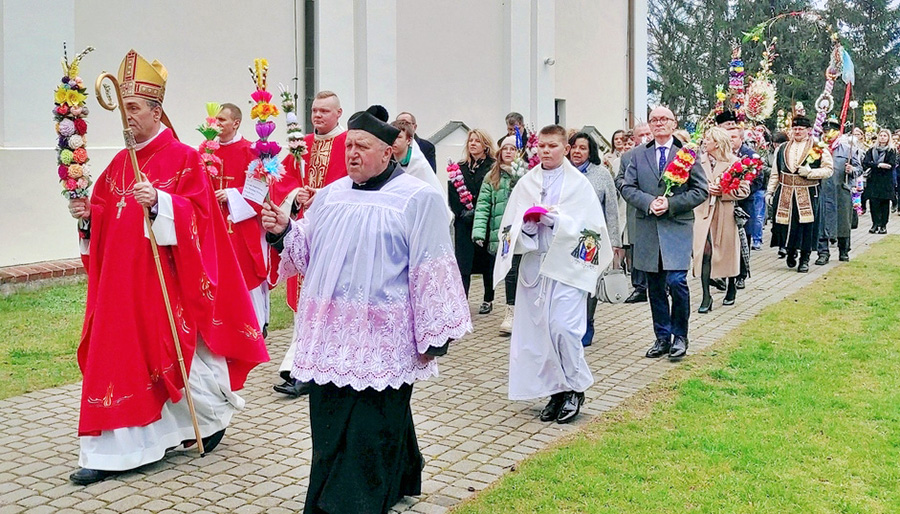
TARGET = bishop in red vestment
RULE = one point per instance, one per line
(323, 163)
(132, 407)
(242, 215)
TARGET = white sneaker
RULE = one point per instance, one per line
(506, 326)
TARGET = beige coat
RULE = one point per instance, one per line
(714, 219)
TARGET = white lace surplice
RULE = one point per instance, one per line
(381, 285)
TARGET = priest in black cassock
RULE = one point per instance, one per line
(381, 298)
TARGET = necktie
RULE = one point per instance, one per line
(662, 158)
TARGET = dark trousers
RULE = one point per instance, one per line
(669, 320)
(488, 277)
(843, 246)
(881, 210)
(512, 278)
(638, 277)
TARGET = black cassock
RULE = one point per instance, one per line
(365, 453)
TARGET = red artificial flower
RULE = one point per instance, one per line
(63, 109)
(63, 171)
(80, 126)
(71, 184)
(80, 155)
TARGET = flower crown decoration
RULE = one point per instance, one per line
(456, 176)
(69, 112)
(266, 166)
(210, 130)
(761, 93)
(678, 171)
(296, 142)
(746, 168)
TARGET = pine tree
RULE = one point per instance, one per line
(871, 33)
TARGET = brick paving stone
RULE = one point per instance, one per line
(469, 433)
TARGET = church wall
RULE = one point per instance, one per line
(467, 60)
(591, 63)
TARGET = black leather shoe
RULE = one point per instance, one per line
(637, 296)
(781, 253)
(293, 387)
(822, 259)
(739, 283)
(679, 348)
(882, 230)
(718, 283)
(551, 411)
(792, 259)
(803, 267)
(486, 308)
(660, 347)
(705, 306)
(571, 407)
(873, 230)
(844, 256)
(86, 476)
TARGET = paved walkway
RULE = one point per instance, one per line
(468, 431)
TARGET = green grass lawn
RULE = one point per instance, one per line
(797, 411)
(41, 330)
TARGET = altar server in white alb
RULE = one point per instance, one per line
(555, 221)
(382, 296)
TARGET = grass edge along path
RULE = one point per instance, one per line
(41, 329)
(797, 410)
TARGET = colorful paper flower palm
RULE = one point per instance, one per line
(678, 171)
(210, 129)
(266, 166)
(69, 112)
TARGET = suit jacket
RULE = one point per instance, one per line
(629, 209)
(427, 149)
(665, 238)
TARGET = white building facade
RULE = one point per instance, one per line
(579, 62)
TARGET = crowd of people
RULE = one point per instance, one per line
(377, 254)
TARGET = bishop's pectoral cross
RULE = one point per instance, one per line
(120, 205)
(222, 183)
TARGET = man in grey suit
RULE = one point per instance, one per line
(640, 136)
(664, 232)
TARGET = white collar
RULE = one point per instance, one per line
(668, 144)
(237, 137)
(141, 146)
(332, 133)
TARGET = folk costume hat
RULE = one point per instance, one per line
(141, 79)
(726, 116)
(365, 121)
(801, 121)
(831, 123)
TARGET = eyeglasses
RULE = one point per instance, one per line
(659, 121)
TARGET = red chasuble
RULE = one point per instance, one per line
(246, 235)
(324, 162)
(127, 354)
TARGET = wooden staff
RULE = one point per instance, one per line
(129, 144)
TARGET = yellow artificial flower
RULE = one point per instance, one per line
(212, 109)
(73, 97)
(60, 96)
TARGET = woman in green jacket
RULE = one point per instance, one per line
(492, 200)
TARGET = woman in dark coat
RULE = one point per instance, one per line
(478, 158)
(878, 166)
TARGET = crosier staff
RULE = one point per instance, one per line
(129, 144)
